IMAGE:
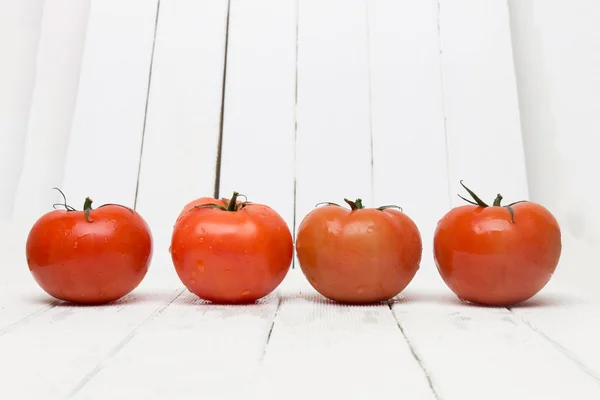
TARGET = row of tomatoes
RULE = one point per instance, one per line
(236, 251)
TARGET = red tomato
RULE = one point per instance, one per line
(498, 255)
(227, 251)
(91, 256)
(361, 255)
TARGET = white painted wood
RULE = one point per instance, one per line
(472, 352)
(333, 146)
(184, 108)
(320, 349)
(20, 23)
(409, 142)
(260, 98)
(57, 75)
(49, 355)
(198, 347)
(465, 350)
(485, 145)
(567, 319)
(104, 147)
(334, 349)
(191, 349)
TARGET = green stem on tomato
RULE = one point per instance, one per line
(232, 206)
(87, 207)
(355, 205)
(497, 202)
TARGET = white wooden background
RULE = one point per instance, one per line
(152, 103)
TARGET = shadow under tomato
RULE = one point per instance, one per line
(132, 298)
(544, 300)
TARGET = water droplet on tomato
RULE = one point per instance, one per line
(200, 266)
(246, 292)
(202, 230)
(360, 290)
(170, 249)
(105, 239)
(75, 245)
(201, 240)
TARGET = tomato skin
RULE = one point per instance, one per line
(485, 258)
(231, 257)
(89, 262)
(360, 256)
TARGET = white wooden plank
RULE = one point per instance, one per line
(569, 320)
(338, 351)
(184, 111)
(70, 342)
(20, 23)
(104, 146)
(409, 142)
(197, 344)
(455, 343)
(57, 75)
(197, 349)
(259, 126)
(480, 352)
(485, 145)
(333, 148)
(334, 347)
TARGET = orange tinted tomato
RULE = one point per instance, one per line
(91, 256)
(362, 255)
(230, 252)
(497, 255)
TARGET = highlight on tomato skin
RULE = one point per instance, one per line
(230, 251)
(92, 256)
(497, 255)
(358, 255)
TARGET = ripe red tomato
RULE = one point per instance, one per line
(228, 251)
(361, 255)
(498, 255)
(90, 256)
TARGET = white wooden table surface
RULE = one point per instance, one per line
(292, 103)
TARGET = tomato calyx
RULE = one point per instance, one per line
(87, 206)
(497, 202)
(358, 205)
(231, 205)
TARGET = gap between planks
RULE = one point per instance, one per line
(222, 117)
(413, 352)
(122, 344)
(559, 347)
(137, 182)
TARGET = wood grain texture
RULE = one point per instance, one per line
(333, 146)
(567, 319)
(106, 135)
(409, 140)
(199, 347)
(332, 349)
(480, 100)
(260, 97)
(184, 111)
(467, 350)
(64, 344)
(191, 348)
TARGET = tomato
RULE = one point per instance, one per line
(94, 256)
(361, 255)
(497, 255)
(228, 251)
